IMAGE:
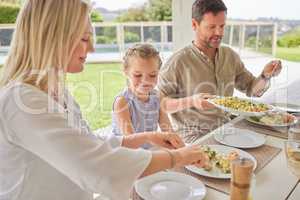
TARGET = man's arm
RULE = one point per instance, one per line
(173, 105)
(199, 101)
(262, 84)
(251, 85)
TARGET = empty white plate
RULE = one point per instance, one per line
(240, 138)
(170, 185)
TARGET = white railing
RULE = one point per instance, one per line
(261, 37)
(117, 37)
(161, 35)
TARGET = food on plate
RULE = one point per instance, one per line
(223, 161)
(275, 118)
(220, 161)
(211, 155)
(241, 104)
(210, 152)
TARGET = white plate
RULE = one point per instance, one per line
(170, 185)
(215, 172)
(240, 138)
(292, 108)
(242, 113)
(295, 121)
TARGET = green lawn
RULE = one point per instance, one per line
(95, 89)
(292, 54)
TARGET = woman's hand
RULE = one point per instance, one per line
(166, 139)
(200, 101)
(190, 155)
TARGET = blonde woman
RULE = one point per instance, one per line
(46, 151)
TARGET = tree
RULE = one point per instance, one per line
(290, 39)
(8, 13)
(159, 10)
(96, 16)
(154, 10)
(11, 1)
(133, 15)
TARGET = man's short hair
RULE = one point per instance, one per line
(201, 7)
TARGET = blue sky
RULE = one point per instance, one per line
(245, 9)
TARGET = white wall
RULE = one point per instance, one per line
(182, 23)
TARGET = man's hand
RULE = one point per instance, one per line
(272, 69)
(200, 101)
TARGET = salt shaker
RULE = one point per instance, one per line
(241, 170)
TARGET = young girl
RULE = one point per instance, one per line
(138, 107)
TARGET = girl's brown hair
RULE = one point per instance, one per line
(145, 51)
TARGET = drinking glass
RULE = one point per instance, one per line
(292, 152)
(294, 133)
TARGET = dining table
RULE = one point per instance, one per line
(274, 181)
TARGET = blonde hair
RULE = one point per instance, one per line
(46, 34)
(145, 51)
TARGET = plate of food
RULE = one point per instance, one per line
(274, 119)
(241, 106)
(287, 107)
(220, 158)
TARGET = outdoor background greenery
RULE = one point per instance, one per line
(154, 10)
(159, 10)
(8, 13)
(292, 54)
(288, 45)
(107, 80)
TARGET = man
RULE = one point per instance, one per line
(207, 67)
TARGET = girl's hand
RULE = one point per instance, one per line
(166, 139)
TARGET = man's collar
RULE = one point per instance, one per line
(194, 46)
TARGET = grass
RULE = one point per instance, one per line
(95, 89)
(291, 54)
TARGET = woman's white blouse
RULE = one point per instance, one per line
(49, 153)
